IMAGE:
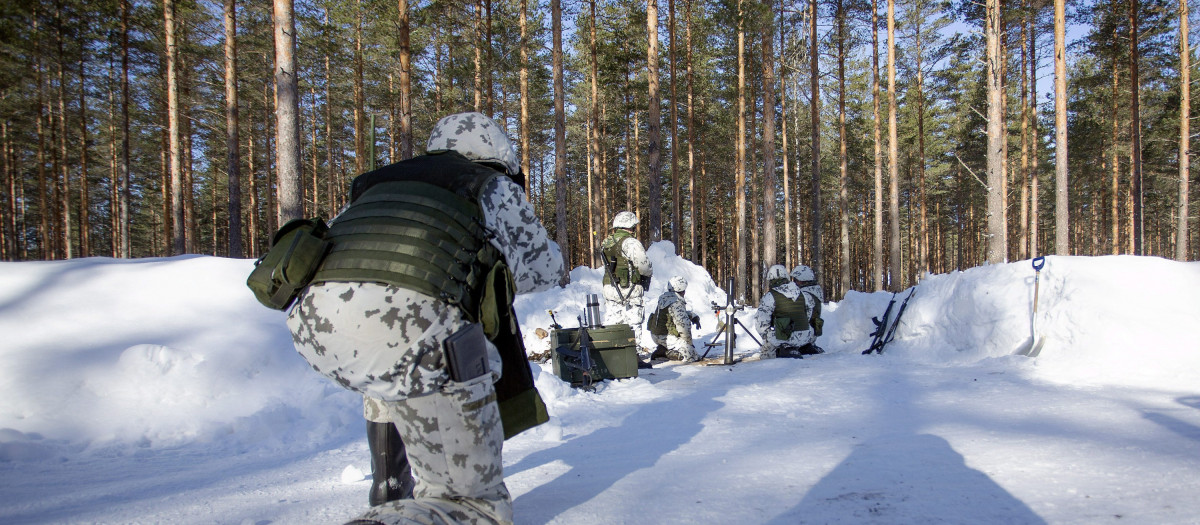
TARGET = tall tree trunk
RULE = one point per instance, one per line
(653, 125)
(897, 269)
(64, 184)
(676, 211)
(1061, 211)
(490, 96)
(233, 158)
(923, 232)
(525, 127)
(740, 191)
(815, 112)
(1034, 246)
(768, 141)
(174, 158)
(123, 206)
(478, 55)
(406, 131)
(843, 180)
(360, 125)
(287, 110)
(997, 251)
(85, 240)
(560, 137)
(1115, 189)
(696, 211)
(593, 132)
(1023, 241)
(877, 262)
(1135, 132)
(1185, 112)
(788, 252)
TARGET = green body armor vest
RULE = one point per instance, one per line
(621, 270)
(660, 322)
(416, 225)
(789, 316)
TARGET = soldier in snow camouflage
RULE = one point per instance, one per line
(783, 318)
(382, 334)
(632, 271)
(671, 324)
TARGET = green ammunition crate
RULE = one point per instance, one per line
(614, 353)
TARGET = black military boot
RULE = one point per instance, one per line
(391, 476)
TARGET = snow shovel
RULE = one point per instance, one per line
(1034, 346)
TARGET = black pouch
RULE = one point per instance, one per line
(296, 252)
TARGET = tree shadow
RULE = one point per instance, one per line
(906, 476)
(907, 479)
(599, 460)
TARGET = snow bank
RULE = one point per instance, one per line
(152, 353)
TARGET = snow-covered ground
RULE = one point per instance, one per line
(159, 391)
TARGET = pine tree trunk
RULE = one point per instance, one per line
(997, 247)
(843, 181)
(525, 127)
(174, 158)
(287, 109)
(653, 125)
(1185, 112)
(124, 195)
(1034, 245)
(233, 159)
(787, 195)
(770, 181)
(696, 210)
(1115, 190)
(478, 28)
(85, 240)
(877, 262)
(593, 132)
(64, 183)
(560, 137)
(360, 126)
(815, 112)
(406, 131)
(1023, 241)
(1061, 211)
(740, 191)
(897, 269)
(1135, 132)
(676, 211)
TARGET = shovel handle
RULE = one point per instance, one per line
(1038, 263)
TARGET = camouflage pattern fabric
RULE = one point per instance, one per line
(534, 260)
(679, 338)
(454, 441)
(762, 321)
(679, 346)
(476, 137)
(631, 312)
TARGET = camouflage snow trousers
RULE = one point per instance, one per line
(679, 346)
(385, 342)
(631, 312)
(454, 440)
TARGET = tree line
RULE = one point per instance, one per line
(875, 140)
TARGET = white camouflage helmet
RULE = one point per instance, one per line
(677, 284)
(625, 219)
(776, 272)
(477, 138)
(803, 273)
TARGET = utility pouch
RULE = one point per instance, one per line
(466, 353)
(296, 252)
(818, 324)
(783, 328)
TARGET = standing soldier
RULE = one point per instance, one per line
(783, 316)
(421, 277)
(814, 296)
(626, 263)
(671, 324)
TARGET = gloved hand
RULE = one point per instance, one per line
(645, 282)
(696, 320)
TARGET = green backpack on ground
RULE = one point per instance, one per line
(296, 252)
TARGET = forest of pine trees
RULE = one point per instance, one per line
(876, 141)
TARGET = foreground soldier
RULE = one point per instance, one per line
(423, 253)
(628, 264)
(671, 324)
(783, 316)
